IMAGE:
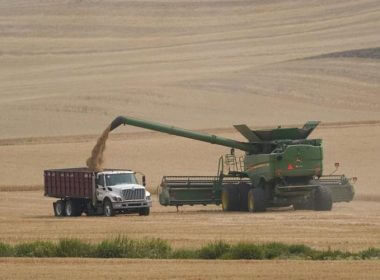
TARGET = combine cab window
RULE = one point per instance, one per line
(121, 178)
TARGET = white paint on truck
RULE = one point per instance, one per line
(122, 189)
(108, 192)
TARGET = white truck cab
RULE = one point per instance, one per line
(120, 192)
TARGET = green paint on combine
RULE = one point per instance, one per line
(281, 167)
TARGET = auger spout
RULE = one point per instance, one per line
(204, 137)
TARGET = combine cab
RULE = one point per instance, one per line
(281, 167)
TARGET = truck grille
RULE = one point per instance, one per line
(134, 194)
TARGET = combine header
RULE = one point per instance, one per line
(281, 167)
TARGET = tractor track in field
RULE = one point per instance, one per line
(143, 134)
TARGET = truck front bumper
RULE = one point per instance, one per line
(131, 204)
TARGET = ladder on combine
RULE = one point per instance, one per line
(231, 165)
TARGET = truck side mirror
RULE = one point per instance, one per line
(143, 180)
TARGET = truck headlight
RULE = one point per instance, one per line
(148, 197)
(116, 198)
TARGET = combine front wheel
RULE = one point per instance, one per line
(230, 198)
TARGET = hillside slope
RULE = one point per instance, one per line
(69, 67)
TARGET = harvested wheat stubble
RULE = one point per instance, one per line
(74, 268)
(21, 188)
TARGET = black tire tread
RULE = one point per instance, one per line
(76, 208)
(323, 199)
(243, 193)
(112, 210)
(258, 199)
(55, 204)
(232, 193)
(144, 211)
(306, 205)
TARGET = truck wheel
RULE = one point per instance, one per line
(73, 208)
(59, 208)
(70, 208)
(322, 199)
(144, 211)
(108, 209)
(230, 198)
(243, 192)
(256, 200)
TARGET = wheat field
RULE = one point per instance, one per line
(68, 68)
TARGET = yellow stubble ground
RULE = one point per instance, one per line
(11, 268)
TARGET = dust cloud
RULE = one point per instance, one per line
(95, 162)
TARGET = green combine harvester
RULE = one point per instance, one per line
(280, 168)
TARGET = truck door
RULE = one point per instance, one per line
(100, 187)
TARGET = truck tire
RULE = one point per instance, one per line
(243, 192)
(72, 208)
(59, 208)
(108, 208)
(322, 199)
(256, 200)
(230, 198)
(144, 211)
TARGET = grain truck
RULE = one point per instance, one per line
(281, 167)
(111, 191)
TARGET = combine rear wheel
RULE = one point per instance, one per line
(243, 193)
(304, 205)
(256, 200)
(230, 198)
(322, 199)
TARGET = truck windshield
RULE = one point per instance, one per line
(120, 178)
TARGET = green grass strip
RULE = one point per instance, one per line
(123, 247)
